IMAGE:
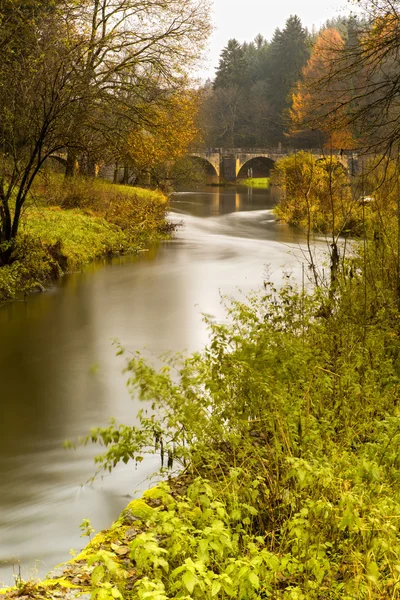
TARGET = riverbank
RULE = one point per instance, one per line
(288, 425)
(69, 224)
(256, 182)
(104, 567)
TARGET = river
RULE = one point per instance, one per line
(59, 374)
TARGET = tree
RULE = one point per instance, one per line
(77, 69)
(318, 106)
(154, 150)
(37, 90)
(366, 78)
(231, 71)
(223, 112)
(288, 53)
(137, 51)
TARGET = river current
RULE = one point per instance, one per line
(60, 376)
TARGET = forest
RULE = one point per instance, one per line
(263, 90)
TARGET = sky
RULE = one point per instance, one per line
(244, 19)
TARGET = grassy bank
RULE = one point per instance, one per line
(67, 225)
(256, 182)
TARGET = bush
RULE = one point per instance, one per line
(288, 427)
(316, 195)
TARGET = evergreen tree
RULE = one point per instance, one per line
(288, 54)
(232, 67)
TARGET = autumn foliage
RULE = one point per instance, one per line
(155, 148)
(318, 96)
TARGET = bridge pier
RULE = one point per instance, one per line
(229, 167)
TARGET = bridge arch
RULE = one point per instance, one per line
(210, 170)
(261, 167)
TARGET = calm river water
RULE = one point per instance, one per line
(59, 375)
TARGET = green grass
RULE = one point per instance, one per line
(256, 182)
(66, 225)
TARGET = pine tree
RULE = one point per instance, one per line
(288, 53)
(232, 68)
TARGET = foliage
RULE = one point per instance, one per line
(286, 429)
(316, 195)
(156, 148)
(86, 528)
(310, 101)
(232, 66)
(364, 77)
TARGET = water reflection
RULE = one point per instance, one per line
(49, 392)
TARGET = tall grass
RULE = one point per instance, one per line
(67, 224)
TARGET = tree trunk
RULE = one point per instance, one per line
(116, 171)
(125, 179)
(72, 163)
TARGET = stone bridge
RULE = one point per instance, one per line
(229, 164)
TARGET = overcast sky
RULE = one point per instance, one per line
(245, 19)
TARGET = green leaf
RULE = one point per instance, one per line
(373, 572)
(190, 581)
(98, 575)
(216, 586)
(254, 580)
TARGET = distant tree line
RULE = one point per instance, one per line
(252, 98)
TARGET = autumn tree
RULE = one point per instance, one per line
(317, 106)
(155, 148)
(68, 71)
(365, 75)
(136, 52)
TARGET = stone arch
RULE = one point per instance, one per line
(209, 169)
(261, 165)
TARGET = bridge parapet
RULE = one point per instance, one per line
(270, 150)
